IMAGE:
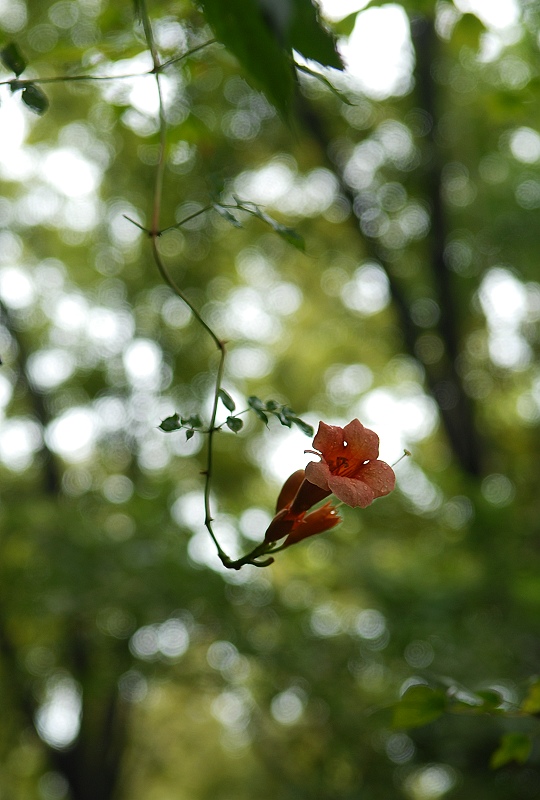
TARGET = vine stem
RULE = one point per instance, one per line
(155, 232)
(21, 83)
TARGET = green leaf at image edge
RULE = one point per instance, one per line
(243, 29)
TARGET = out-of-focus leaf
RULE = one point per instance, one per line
(418, 706)
(257, 405)
(137, 9)
(189, 434)
(13, 59)
(345, 26)
(467, 31)
(322, 79)
(513, 747)
(286, 233)
(227, 400)
(244, 30)
(531, 703)
(194, 421)
(304, 426)
(308, 36)
(171, 423)
(35, 99)
(234, 424)
(491, 699)
(226, 214)
(284, 419)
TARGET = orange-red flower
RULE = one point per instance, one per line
(318, 521)
(296, 497)
(349, 467)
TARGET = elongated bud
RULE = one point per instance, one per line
(307, 496)
(318, 521)
(280, 526)
(289, 489)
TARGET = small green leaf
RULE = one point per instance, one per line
(491, 699)
(345, 26)
(13, 59)
(189, 434)
(513, 747)
(283, 418)
(531, 703)
(35, 99)
(272, 405)
(256, 403)
(227, 400)
(419, 705)
(226, 214)
(194, 421)
(322, 79)
(234, 424)
(172, 423)
(304, 427)
(286, 233)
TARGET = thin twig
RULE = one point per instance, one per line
(21, 83)
(155, 233)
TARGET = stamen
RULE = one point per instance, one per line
(405, 454)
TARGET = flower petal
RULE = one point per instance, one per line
(318, 473)
(362, 443)
(329, 441)
(379, 476)
(351, 491)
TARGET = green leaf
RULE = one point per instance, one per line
(309, 37)
(248, 33)
(513, 747)
(172, 423)
(194, 421)
(491, 699)
(226, 214)
(324, 80)
(467, 31)
(257, 405)
(138, 9)
(286, 233)
(283, 418)
(345, 26)
(304, 427)
(227, 400)
(418, 706)
(35, 99)
(531, 703)
(234, 423)
(189, 434)
(13, 59)
(272, 405)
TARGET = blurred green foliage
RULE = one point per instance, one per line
(396, 656)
